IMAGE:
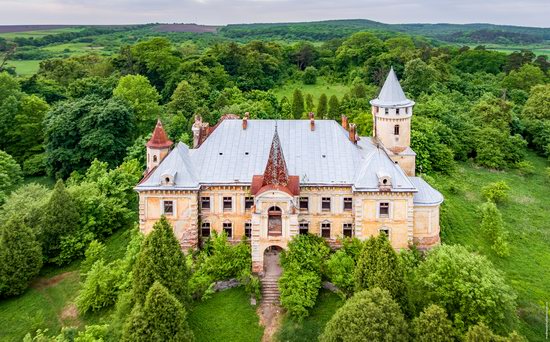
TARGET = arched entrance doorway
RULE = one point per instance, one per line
(274, 221)
(271, 261)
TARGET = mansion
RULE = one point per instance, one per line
(270, 180)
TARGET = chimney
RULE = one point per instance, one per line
(245, 120)
(345, 122)
(312, 121)
(352, 133)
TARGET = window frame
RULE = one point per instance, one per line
(173, 204)
(208, 200)
(203, 227)
(396, 130)
(300, 228)
(324, 227)
(303, 199)
(384, 205)
(347, 226)
(225, 200)
(248, 202)
(348, 200)
(248, 229)
(325, 200)
(385, 230)
(230, 228)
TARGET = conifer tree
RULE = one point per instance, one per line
(20, 257)
(492, 226)
(322, 109)
(309, 103)
(333, 108)
(161, 318)
(297, 104)
(433, 325)
(162, 260)
(379, 266)
(60, 218)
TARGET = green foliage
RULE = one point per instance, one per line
(322, 107)
(183, 100)
(100, 288)
(307, 252)
(20, 257)
(466, 285)
(379, 266)
(10, 175)
(333, 108)
(497, 192)
(492, 226)
(27, 203)
(94, 252)
(297, 104)
(427, 140)
(433, 325)
(538, 103)
(340, 268)
(482, 333)
(524, 78)
(370, 315)
(162, 260)
(161, 318)
(35, 165)
(298, 291)
(59, 221)
(419, 77)
(310, 75)
(525, 168)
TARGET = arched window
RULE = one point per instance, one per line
(396, 130)
(274, 221)
(155, 159)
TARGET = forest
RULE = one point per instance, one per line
(72, 147)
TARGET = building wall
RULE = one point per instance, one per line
(406, 162)
(426, 226)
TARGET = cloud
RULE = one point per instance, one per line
(514, 12)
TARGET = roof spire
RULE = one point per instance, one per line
(159, 139)
(275, 172)
(391, 93)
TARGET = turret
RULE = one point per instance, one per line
(157, 147)
(392, 112)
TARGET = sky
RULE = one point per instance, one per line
(220, 12)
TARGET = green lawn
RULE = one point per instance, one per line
(227, 316)
(73, 48)
(538, 49)
(314, 89)
(527, 218)
(39, 33)
(25, 68)
(313, 325)
(49, 302)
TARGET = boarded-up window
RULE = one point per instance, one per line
(168, 207)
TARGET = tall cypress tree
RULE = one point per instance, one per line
(161, 318)
(162, 260)
(297, 104)
(322, 109)
(20, 257)
(60, 219)
(333, 108)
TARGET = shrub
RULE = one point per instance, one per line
(496, 192)
(433, 325)
(340, 269)
(370, 315)
(299, 289)
(493, 228)
(20, 257)
(466, 285)
(252, 284)
(482, 333)
(10, 175)
(94, 252)
(525, 168)
(310, 75)
(35, 165)
(307, 252)
(101, 287)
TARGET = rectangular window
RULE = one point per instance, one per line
(386, 111)
(228, 229)
(325, 203)
(248, 229)
(385, 231)
(304, 228)
(168, 208)
(227, 203)
(396, 130)
(304, 203)
(348, 203)
(325, 230)
(384, 210)
(397, 111)
(347, 230)
(205, 203)
(205, 229)
(248, 203)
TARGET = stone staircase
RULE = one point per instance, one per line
(270, 290)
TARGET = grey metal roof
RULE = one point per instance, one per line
(324, 156)
(426, 195)
(392, 94)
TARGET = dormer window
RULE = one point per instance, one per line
(397, 111)
(168, 178)
(386, 111)
(384, 181)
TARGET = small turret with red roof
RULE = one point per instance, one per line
(157, 147)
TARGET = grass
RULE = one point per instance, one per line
(538, 49)
(226, 316)
(527, 219)
(45, 304)
(313, 325)
(73, 48)
(25, 68)
(39, 33)
(316, 90)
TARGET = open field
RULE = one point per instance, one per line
(527, 220)
(25, 68)
(34, 31)
(74, 48)
(538, 49)
(316, 90)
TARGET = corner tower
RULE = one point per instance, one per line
(157, 147)
(392, 112)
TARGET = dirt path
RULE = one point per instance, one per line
(43, 283)
(270, 311)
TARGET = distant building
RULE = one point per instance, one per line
(270, 180)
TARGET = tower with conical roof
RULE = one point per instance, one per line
(392, 112)
(157, 147)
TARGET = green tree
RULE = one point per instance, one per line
(538, 103)
(309, 103)
(20, 257)
(161, 318)
(162, 260)
(433, 325)
(333, 108)
(310, 75)
(60, 219)
(26, 202)
(524, 78)
(496, 192)
(286, 109)
(183, 100)
(482, 333)
(466, 285)
(297, 104)
(142, 97)
(10, 175)
(419, 77)
(322, 107)
(370, 315)
(378, 266)
(492, 226)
